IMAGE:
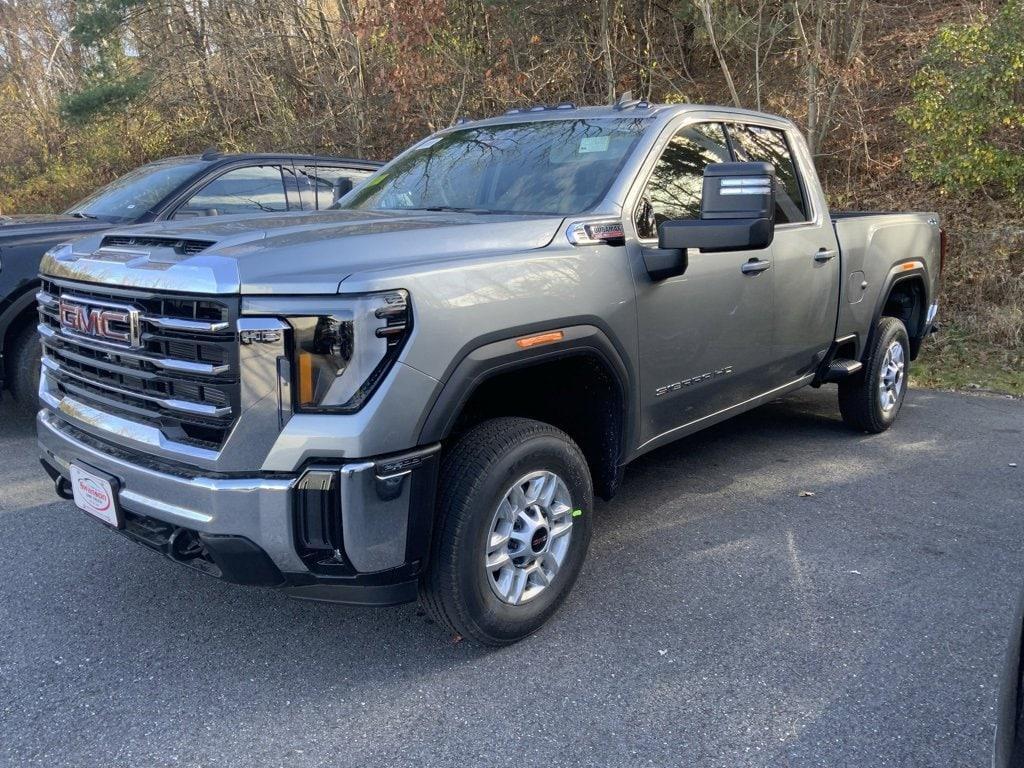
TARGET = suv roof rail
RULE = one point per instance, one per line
(542, 108)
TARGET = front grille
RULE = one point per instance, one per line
(183, 379)
(179, 245)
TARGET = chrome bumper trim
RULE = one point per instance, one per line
(257, 508)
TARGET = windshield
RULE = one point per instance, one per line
(127, 198)
(546, 167)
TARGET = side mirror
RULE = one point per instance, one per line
(737, 211)
(341, 188)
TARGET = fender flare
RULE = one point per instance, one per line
(14, 310)
(899, 274)
(490, 359)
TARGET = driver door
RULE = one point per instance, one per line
(705, 336)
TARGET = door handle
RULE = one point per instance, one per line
(825, 255)
(754, 266)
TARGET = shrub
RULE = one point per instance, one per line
(967, 115)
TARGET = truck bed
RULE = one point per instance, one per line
(872, 246)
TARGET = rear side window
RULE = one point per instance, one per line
(327, 184)
(244, 190)
(756, 144)
(674, 189)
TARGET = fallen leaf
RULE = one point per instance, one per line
(805, 493)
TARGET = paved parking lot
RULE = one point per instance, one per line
(722, 620)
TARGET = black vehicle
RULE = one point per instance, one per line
(213, 184)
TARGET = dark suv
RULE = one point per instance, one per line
(213, 184)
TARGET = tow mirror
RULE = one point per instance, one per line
(737, 211)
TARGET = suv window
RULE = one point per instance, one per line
(323, 179)
(674, 189)
(244, 190)
(756, 144)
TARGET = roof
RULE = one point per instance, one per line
(636, 109)
(222, 157)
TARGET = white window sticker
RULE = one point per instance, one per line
(593, 144)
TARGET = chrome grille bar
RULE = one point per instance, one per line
(192, 326)
(167, 363)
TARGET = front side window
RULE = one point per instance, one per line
(559, 167)
(674, 189)
(244, 190)
(756, 144)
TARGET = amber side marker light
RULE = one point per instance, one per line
(541, 338)
(911, 265)
(305, 378)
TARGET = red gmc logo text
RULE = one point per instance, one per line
(118, 324)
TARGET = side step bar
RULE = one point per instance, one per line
(841, 369)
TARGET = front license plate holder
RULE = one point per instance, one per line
(95, 493)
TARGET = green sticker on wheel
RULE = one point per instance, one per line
(577, 512)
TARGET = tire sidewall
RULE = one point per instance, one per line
(26, 361)
(894, 331)
(495, 618)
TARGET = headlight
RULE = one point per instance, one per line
(342, 346)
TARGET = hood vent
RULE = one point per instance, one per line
(179, 245)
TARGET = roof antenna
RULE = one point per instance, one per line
(625, 101)
(211, 153)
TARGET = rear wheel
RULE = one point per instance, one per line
(870, 400)
(21, 368)
(512, 531)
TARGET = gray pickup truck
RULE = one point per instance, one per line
(421, 393)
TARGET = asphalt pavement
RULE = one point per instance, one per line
(722, 619)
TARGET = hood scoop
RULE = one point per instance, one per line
(180, 246)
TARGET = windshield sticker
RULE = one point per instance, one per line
(593, 144)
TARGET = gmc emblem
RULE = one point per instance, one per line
(110, 322)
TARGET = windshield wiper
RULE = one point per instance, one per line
(452, 209)
(80, 215)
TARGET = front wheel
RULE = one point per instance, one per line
(870, 400)
(512, 531)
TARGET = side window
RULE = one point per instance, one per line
(755, 144)
(243, 190)
(674, 189)
(325, 182)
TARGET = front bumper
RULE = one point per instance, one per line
(372, 516)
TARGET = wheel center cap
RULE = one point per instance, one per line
(539, 539)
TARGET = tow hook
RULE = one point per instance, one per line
(63, 487)
(184, 545)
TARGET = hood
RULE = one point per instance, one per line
(290, 253)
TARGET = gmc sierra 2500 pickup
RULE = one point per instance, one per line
(420, 394)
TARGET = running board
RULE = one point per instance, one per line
(841, 369)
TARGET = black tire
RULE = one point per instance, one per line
(476, 473)
(21, 366)
(860, 400)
